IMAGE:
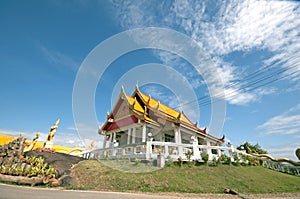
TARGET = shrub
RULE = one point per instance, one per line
(225, 159)
(169, 161)
(236, 160)
(204, 156)
(215, 162)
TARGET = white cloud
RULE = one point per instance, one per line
(83, 128)
(225, 28)
(27, 135)
(159, 94)
(287, 123)
(243, 25)
(285, 151)
(84, 134)
(60, 138)
(222, 28)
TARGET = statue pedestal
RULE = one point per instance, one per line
(49, 145)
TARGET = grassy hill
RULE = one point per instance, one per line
(95, 175)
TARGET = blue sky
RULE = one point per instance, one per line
(253, 48)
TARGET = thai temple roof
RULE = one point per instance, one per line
(148, 109)
(161, 109)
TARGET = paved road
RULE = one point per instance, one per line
(20, 192)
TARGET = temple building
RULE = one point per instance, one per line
(141, 127)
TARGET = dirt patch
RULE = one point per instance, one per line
(62, 163)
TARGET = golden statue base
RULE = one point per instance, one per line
(49, 145)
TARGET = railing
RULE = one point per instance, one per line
(174, 149)
(284, 168)
(151, 149)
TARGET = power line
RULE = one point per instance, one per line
(253, 88)
(264, 78)
(206, 98)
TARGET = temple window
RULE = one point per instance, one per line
(201, 141)
(169, 138)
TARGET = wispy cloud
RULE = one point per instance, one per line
(173, 101)
(60, 138)
(248, 24)
(83, 128)
(160, 95)
(286, 123)
(285, 151)
(28, 135)
(59, 59)
(85, 134)
(221, 29)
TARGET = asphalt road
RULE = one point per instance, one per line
(21, 192)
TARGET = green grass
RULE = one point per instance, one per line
(97, 175)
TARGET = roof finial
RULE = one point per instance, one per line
(179, 115)
(157, 107)
(145, 111)
(137, 85)
(149, 99)
(122, 89)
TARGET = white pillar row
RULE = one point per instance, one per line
(144, 133)
(129, 136)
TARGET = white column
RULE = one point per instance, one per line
(208, 150)
(114, 137)
(196, 152)
(104, 141)
(148, 149)
(111, 140)
(166, 150)
(129, 136)
(177, 133)
(219, 153)
(144, 133)
(114, 151)
(133, 135)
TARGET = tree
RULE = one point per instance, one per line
(252, 148)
